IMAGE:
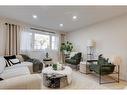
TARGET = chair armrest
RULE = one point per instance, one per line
(108, 65)
(107, 69)
(30, 81)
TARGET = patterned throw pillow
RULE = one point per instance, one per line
(8, 63)
(10, 60)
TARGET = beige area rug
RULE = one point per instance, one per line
(82, 81)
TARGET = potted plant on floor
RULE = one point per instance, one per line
(66, 48)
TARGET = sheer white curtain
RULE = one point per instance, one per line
(26, 41)
(28, 45)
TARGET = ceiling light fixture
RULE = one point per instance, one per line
(61, 25)
(35, 16)
(74, 17)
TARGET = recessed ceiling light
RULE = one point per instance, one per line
(74, 17)
(35, 16)
(61, 25)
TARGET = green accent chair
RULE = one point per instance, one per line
(103, 67)
(74, 60)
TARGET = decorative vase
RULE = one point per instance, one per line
(47, 55)
(59, 66)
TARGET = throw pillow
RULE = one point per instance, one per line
(25, 57)
(8, 63)
(73, 54)
(20, 57)
(10, 57)
(2, 64)
(14, 61)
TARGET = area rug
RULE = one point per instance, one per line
(82, 81)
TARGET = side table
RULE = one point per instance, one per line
(47, 62)
(83, 68)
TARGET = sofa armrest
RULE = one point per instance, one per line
(30, 81)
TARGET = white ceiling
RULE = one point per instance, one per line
(51, 16)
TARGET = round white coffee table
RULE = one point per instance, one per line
(67, 71)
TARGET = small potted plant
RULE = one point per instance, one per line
(54, 66)
(57, 66)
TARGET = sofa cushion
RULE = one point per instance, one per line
(28, 64)
(29, 81)
(2, 64)
(9, 73)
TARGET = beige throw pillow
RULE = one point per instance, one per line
(20, 58)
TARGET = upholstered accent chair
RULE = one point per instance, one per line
(103, 67)
(74, 59)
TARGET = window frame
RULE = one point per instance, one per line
(50, 40)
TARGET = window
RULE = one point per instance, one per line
(41, 41)
(38, 41)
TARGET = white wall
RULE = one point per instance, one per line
(110, 37)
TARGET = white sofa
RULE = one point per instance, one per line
(19, 76)
(28, 81)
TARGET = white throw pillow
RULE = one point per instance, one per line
(20, 58)
(2, 64)
(72, 54)
(14, 61)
